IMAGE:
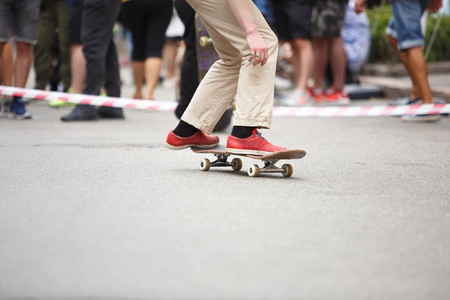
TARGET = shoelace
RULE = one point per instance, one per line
(259, 135)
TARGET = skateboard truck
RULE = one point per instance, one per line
(269, 167)
(221, 161)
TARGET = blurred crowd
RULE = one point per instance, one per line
(72, 46)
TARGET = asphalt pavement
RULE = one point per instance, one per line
(102, 210)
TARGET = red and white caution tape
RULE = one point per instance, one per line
(362, 111)
(89, 99)
(302, 111)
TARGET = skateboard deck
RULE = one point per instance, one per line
(236, 163)
(206, 54)
(206, 57)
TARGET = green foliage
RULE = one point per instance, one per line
(440, 49)
(382, 51)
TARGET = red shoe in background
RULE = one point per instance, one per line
(317, 94)
(333, 95)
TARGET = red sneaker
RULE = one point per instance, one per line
(310, 91)
(320, 97)
(334, 95)
(317, 94)
(253, 145)
(199, 139)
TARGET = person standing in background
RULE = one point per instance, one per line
(6, 76)
(405, 34)
(328, 19)
(173, 44)
(53, 15)
(77, 60)
(148, 21)
(189, 71)
(293, 25)
(102, 65)
(22, 16)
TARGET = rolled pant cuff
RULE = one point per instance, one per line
(405, 45)
(258, 123)
(192, 120)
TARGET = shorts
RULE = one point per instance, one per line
(328, 18)
(405, 24)
(148, 22)
(292, 19)
(22, 17)
(74, 27)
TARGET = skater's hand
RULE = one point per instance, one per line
(360, 6)
(259, 50)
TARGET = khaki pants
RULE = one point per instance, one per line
(233, 75)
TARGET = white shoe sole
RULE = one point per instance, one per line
(421, 119)
(189, 146)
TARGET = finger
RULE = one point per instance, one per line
(262, 57)
(259, 58)
(256, 58)
(265, 57)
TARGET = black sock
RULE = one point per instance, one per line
(242, 132)
(184, 129)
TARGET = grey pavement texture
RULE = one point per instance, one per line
(101, 210)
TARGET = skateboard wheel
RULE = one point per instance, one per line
(288, 170)
(205, 41)
(205, 164)
(236, 164)
(253, 171)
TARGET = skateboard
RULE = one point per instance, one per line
(236, 163)
(206, 54)
(206, 57)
